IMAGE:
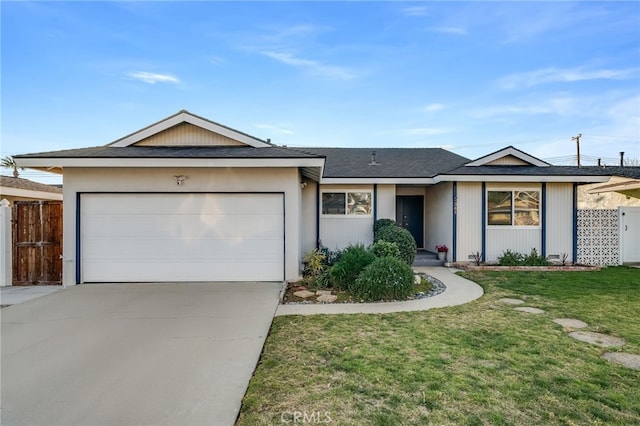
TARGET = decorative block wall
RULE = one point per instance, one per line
(598, 237)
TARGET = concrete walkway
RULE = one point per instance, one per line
(459, 291)
(13, 295)
(134, 354)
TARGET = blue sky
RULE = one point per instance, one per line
(470, 77)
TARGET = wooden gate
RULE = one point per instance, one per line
(37, 242)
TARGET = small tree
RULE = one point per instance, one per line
(9, 163)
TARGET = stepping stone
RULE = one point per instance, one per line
(623, 358)
(322, 292)
(529, 310)
(570, 322)
(599, 339)
(511, 301)
(304, 294)
(327, 298)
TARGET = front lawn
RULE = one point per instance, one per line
(480, 363)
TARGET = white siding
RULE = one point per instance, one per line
(469, 230)
(439, 216)
(285, 180)
(514, 239)
(337, 232)
(559, 227)
(186, 134)
(386, 202)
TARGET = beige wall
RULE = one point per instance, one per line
(469, 230)
(186, 134)
(198, 180)
(439, 216)
(337, 232)
(308, 212)
(386, 202)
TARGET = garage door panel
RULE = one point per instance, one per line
(140, 272)
(197, 251)
(182, 237)
(184, 226)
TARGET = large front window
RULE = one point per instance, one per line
(346, 203)
(513, 208)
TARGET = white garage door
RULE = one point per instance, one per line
(181, 237)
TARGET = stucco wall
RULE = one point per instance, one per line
(309, 211)
(198, 180)
(559, 228)
(387, 202)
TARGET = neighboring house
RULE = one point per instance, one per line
(622, 190)
(17, 189)
(188, 199)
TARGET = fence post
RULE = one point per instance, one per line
(6, 249)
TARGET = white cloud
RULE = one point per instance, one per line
(425, 131)
(315, 67)
(566, 75)
(153, 78)
(415, 11)
(450, 30)
(274, 128)
(433, 107)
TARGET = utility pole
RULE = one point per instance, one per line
(577, 139)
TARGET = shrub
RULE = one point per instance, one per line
(384, 248)
(381, 223)
(402, 238)
(386, 278)
(313, 263)
(332, 256)
(533, 259)
(510, 258)
(353, 260)
(323, 280)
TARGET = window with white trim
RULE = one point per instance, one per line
(346, 203)
(513, 208)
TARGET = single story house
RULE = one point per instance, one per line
(188, 199)
(15, 189)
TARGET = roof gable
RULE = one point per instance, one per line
(508, 156)
(187, 129)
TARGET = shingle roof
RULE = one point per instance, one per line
(392, 162)
(543, 171)
(173, 152)
(20, 183)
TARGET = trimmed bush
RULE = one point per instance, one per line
(384, 248)
(533, 259)
(510, 258)
(381, 223)
(353, 260)
(403, 239)
(386, 278)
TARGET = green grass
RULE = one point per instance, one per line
(480, 363)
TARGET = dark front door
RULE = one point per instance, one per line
(410, 215)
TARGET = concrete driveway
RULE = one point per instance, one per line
(134, 354)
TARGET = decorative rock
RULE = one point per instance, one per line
(625, 359)
(322, 292)
(327, 298)
(511, 301)
(599, 339)
(529, 310)
(570, 322)
(304, 294)
(418, 279)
